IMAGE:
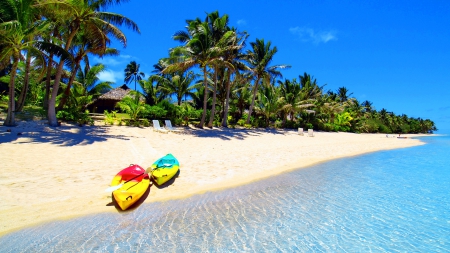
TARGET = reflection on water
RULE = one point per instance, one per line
(387, 201)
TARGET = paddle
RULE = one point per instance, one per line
(116, 187)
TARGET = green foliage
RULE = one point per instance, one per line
(154, 112)
(132, 105)
(110, 118)
(73, 115)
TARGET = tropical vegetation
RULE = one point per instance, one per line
(211, 79)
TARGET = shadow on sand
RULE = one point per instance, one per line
(65, 135)
(230, 133)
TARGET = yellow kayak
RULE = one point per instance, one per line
(164, 169)
(135, 181)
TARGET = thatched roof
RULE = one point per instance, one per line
(116, 94)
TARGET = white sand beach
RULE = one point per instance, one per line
(59, 173)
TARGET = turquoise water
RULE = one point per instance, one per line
(393, 201)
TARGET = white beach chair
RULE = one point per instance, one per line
(169, 126)
(310, 133)
(300, 131)
(157, 127)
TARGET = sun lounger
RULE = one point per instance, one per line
(158, 128)
(310, 133)
(169, 126)
(300, 131)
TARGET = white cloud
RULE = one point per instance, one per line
(242, 22)
(309, 35)
(111, 76)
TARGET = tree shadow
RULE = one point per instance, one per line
(232, 133)
(65, 135)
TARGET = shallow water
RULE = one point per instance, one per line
(393, 201)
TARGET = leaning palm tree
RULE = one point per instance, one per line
(259, 59)
(82, 47)
(132, 73)
(83, 16)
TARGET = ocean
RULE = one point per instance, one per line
(388, 201)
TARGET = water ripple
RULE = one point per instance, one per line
(395, 201)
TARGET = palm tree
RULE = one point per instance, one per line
(342, 93)
(199, 50)
(16, 29)
(268, 102)
(234, 58)
(132, 73)
(149, 91)
(82, 16)
(258, 60)
(179, 84)
(132, 105)
(290, 92)
(83, 45)
(88, 84)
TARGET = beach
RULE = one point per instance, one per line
(60, 173)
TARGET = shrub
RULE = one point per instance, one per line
(72, 115)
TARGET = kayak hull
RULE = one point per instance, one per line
(164, 169)
(135, 182)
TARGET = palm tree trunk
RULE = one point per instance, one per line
(250, 110)
(48, 81)
(51, 114)
(227, 102)
(213, 109)
(10, 117)
(26, 84)
(66, 95)
(205, 98)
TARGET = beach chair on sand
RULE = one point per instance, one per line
(158, 128)
(300, 131)
(310, 133)
(169, 126)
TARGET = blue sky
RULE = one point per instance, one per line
(395, 54)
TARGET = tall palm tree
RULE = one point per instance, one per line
(132, 73)
(259, 58)
(83, 16)
(199, 50)
(17, 27)
(234, 57)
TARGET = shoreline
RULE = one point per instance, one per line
(80, 162)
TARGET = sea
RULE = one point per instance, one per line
(388, 201)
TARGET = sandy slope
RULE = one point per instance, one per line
(57, 173)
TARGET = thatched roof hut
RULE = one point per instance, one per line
(109, 100)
